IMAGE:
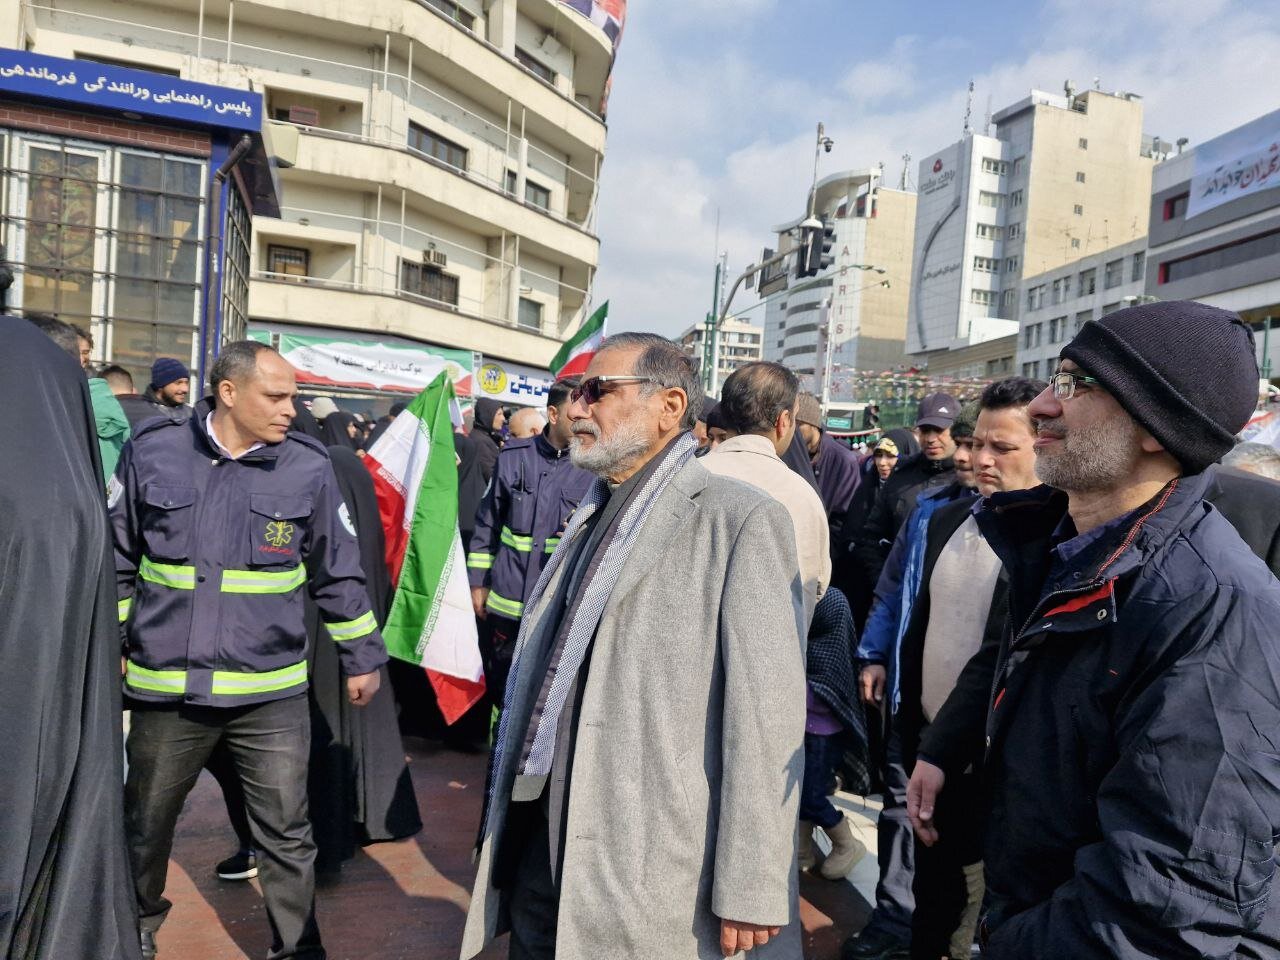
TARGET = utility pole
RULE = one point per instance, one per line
(711, 338)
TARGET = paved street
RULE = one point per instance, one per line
(408, 899)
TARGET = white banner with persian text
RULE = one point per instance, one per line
(1237, 164)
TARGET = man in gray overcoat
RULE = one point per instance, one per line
(646, 775)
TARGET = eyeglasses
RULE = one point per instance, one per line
(1064, 384)
(593, 388)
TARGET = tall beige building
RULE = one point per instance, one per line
(1064, 177)
(741, 342)
(441, 157)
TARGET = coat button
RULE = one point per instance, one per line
(277, 514)
(1102, 614)
(168, 503)
(200, 578)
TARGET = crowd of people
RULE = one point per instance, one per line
(1037, 623)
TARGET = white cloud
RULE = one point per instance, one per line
(696, 128)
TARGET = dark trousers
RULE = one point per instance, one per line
(497, 646)
(821, 754)
(532, 895)
(939, 885)
(895, 847)
(223, 769)
(269, 745)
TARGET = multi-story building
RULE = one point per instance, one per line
(443, 155)
(1063, 177)
(860, 300)
(1215, 228)
(740, 342)
(1055, 304)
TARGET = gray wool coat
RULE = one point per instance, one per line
(690, 745)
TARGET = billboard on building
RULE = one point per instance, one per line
(609, 15)
(1237, 164)
(512, 383)
(937, 265)
(353, 363)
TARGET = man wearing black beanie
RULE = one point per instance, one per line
(1130, 747)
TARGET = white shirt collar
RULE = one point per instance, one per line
(208, 428)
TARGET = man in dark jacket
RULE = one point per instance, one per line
(1133, 795)
(169, 388)
(835, 466)
(486, 431)
(931, 469)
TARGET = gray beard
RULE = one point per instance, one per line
(612, 455)
(1097, 457)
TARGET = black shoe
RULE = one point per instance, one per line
(148, 940)
(875, 944)
(242, 865)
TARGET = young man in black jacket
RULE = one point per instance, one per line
(1129, 745)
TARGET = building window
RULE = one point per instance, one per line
(536, 195)
(1083, 317)
(535, 67)
(428, 282)
(1057, 329)
(1175, 208)
(235, 270)
(433, 145)
(510, 182)
(1061, 290)
(1078, 210)
(1012, 264)
(1018, 164)
(989, 199)
(1031, 370)
(1031, 336)
(530, 315)
(1015, 231)
(454, 12)
(1139, 266)
(1079, 176)
(1015, 198)
(1242, 251)
(986, 265)
(1109, 308)
(998, 167)
(1075, 243)
(1035, 297)
(1083, 143)
(988, 231)
(1113, 275)
(1087, 283)
(1008, 300)
(983, 298)
(288, 262)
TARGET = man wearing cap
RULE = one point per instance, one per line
(931, 469)
(169, 389)
(1129, 743)
(834, 465)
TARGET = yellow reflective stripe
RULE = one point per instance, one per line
(157, 681)
(508, 608)
(551, 544)
(353, 629)
(480, 561)
(123, 608)
(226, 683)
(263, 581)
(169, 575)
(517, 542)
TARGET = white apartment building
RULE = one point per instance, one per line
(1063, 177)
(741, 342)
(1056, 304)
(863, 310)
(440, 158)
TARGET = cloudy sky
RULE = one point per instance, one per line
(715, 104)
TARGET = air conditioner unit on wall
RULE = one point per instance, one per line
(304, 116)
(435, 257)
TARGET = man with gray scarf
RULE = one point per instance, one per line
(645, 784)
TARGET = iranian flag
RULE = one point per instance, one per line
(415, 475)
(578, 350)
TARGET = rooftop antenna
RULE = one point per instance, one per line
(1097, 83)
(986, 123)
(968, 111)
(905, 183)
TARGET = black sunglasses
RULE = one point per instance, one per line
(593, 388)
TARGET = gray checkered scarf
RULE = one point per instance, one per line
(587, 617)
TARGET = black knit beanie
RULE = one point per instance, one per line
(1186, 371)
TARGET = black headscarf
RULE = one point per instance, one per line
(304, 421)
(65, 888)
(335, 431)
(471, 485)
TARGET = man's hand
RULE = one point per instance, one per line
(124, 666)
(872, 681)
(360, 690)
(479, 597)
(922, 792)
(738, 937)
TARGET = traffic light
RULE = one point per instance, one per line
(816, 249)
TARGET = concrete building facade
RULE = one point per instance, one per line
(864, 310)
(741, 342)
(1057, 303)
(442, 155)
(1214, 232)
(1063, 177)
